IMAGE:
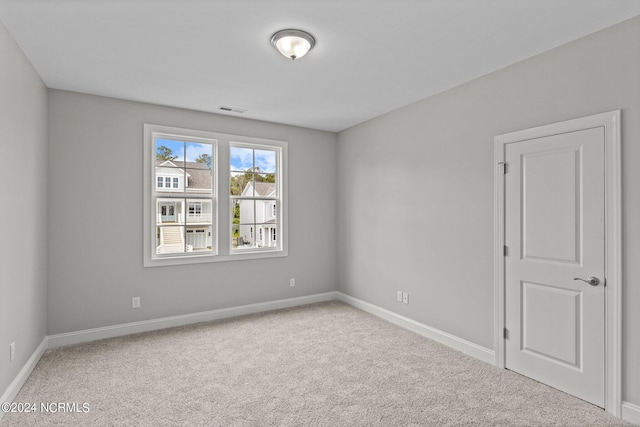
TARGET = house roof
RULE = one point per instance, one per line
(264, 189)
(199, 173)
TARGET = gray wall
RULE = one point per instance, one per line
(95, 226)
(414, 206)
(23, 216)
(416, 194)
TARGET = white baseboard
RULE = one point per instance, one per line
(87, 335)
(445, 338)
(12, 391)
(631, 413)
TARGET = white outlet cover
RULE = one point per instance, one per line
(399, 297)
(405, 298)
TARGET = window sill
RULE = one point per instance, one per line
(201, 259)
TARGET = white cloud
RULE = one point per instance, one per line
(194, 150)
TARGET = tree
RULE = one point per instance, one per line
(238, 182)
(253, 174)
(204, 158)
(165, 153)
(256, 174)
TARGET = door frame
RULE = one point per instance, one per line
(610, 121)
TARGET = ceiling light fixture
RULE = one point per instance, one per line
(293, 44)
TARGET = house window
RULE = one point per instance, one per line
(167, 182)
(255, 177)
(195, 209)
(182, 178)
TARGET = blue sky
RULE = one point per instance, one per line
(243, 159)
(194, 150)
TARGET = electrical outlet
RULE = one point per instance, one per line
(12, 351)
(405, 298)
(135, 302)
(292, 282)
(399, 296)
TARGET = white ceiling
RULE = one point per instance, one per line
(371, 56)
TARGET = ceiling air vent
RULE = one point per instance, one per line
(232, 109)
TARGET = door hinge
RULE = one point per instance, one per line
(503, 167)
(505, 333)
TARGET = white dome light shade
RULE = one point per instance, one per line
(293, 44)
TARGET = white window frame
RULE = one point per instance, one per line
(280, 200)
(197, 209)
(221, 200)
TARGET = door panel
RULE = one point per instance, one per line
(553, 211)
(550, 308)
(554, 229)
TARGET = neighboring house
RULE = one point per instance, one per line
(173, 213)
(258, 218)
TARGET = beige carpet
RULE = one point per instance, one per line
(325, 364)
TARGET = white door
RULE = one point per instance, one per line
(554, 236)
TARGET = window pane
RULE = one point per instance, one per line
(243, 211)
(169, 150)
(241, 159)
(265, 185)
(169, 240)
(199, 211)
(238, 183)
(169, 179)
(266, 236)
(199, 178)
(199, 153)
(242, 236)
(169, 211)
(271, 212)
(199, 168)
(265, 160)
(199, 239)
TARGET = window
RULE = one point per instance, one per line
(167, 181)
(254, 177)
(184, 220)
(195, 209)
(177, 209)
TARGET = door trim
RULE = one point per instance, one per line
(610, 121)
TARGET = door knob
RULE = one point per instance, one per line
(592, 280)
